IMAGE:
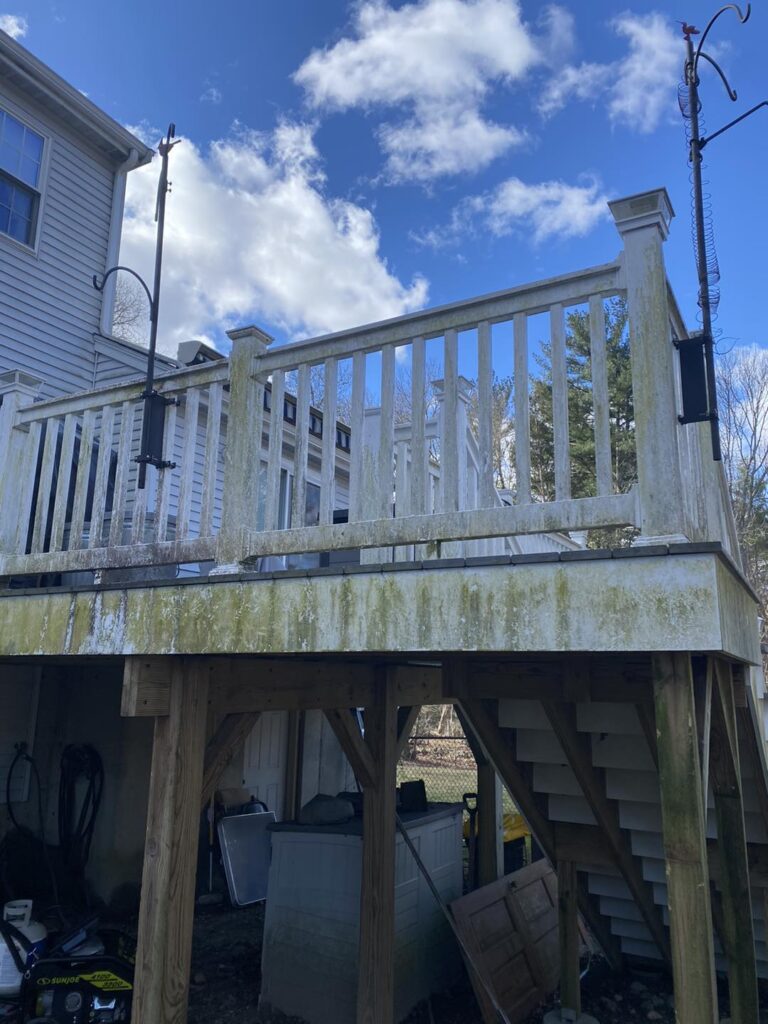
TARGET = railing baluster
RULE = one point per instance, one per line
(44, 486)
(560, 404)
(300, 448)
(485, 415)
(25, 524)
(77, 526)
(449, 439)
(62, 483)
(402, 491)
(600, 402)
(211, 460)
(356, 436)
(386, 432)
(122, 469)
(328, 465)
(188, 452)
(522, 412)
(165, 476)
(275, 457)
(102, 476)
(418, 495)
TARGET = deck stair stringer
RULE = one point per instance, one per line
(621, 753)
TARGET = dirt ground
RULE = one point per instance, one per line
(226, 977)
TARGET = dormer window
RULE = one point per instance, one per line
(21, 158)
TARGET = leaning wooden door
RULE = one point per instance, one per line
(510, 930)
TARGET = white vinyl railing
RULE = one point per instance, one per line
(384, 439)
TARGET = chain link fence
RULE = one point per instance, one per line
(438, 753)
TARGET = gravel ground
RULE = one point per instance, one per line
(226, 959)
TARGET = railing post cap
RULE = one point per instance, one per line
(643, 210)
(21, 382)
(464, 387)
(262, 339)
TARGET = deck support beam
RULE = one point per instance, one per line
(684, 828)
(737, 933)
(164, 948)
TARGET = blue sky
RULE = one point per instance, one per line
(344, 162)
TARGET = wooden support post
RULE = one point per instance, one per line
(490, 843)
(374, 761)
(170, 856)
(737, 932)
(375, 985)
(294, 764)
(684, 826)
(490, 829)
(577, 749)
(568, 925)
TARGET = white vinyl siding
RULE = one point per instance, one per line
(49, 309)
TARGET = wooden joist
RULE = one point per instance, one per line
(578, 751)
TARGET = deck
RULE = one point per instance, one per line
(346, 522)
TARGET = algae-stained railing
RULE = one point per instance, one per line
(415, 389)
(394, 439)
(69, 491)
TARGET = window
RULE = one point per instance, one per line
(21, 158)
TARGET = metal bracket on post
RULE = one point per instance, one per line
(154, 437)
(693, 379)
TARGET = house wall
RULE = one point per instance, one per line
(49, 309)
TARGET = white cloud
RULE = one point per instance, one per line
(251, 235)
(445, 140)
(16, 25)
(541, 211)
(548, 209)
(639, 89)
(439, 59)
(582, 82)
(644, 89)
(211, 95)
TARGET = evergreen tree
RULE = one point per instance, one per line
(580, 413)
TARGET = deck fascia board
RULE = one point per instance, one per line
(681, 601)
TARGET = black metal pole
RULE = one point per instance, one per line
(701, 248)
(165, 147)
